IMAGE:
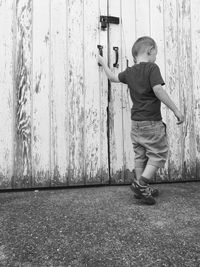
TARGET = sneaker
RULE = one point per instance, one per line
(144, 193)
(153, 191)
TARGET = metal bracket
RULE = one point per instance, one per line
(105, 20)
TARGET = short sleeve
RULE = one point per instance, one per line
(155, 76)
(122, 76)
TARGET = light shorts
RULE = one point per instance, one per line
(150, 143)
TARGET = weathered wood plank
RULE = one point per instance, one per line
(92, 94)
(157, 33)
(142, 14)
(76, 104)
(186, 90)
(172, 87)
(128, 37)
(59, 109)
(6, 88)
(115, 104)
(103, 87)
(128, 28)
(41, 93)
(22, 87)
(195, 37)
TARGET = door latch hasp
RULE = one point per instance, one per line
(105, 20)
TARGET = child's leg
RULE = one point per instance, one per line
(148, 173)
(138, 172)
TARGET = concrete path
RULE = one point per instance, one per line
(99, 227)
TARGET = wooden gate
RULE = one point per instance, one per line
(54, 111)
(62, 123)
(175, 27)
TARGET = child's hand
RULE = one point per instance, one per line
(179, 116)
(101, 60)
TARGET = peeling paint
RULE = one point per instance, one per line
(159, 8)
(22, 148)
(67, 110)
(37, 86)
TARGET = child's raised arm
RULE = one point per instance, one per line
(111, 76)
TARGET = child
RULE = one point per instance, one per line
(148, 133)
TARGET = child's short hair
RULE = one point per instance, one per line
(141, 44)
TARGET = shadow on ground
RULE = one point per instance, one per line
(99, 227)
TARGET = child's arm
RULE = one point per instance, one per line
(164, 97)
(111, 76)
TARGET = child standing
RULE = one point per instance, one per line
(148, 132)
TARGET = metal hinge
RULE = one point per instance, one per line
(105, 20)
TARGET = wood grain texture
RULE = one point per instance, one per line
(76, 92)
(55, 104)
(195, 38)
(59, 94)
(157, 25)
(41, 93)
(174, 163)
(103, 95)
(157, 33)
(22, 94)
(128, 36)
(142, 14)
(186, 89)
(6, 89)
(92, 94)
(115, 104)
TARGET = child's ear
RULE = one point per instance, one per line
(149, 50)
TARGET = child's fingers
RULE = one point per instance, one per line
(179, 122)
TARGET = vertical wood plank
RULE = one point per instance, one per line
(76, 92)
(103, 87)
(22, 87)
(41, 93)
(128, 28)
(157, 33)
(172, 87)
(93, 161)
(92, 100)
(128, 36)
(59, 109)
(186, 89)
(195, 36)
(142, 14)
(115, 104)
(6, 88)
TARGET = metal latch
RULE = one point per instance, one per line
(105, 20)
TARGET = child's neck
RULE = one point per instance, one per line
(142, 59)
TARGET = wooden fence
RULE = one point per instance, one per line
(62, 123)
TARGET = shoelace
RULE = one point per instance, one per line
(145, 191)
(149, 189)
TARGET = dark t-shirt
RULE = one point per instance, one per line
(140, 79)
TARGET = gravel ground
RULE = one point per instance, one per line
(102, 226)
